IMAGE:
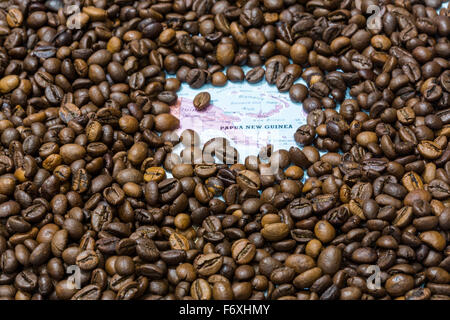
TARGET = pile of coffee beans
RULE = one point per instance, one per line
(95, 205)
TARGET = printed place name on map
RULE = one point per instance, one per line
(258, 126)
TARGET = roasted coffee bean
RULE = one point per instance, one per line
(243, 251)
(201, 290)
(90, 292)
(201, 100)
(298, 92)
(275, 231)
(273, 71)
(87, 260)
(304, 135)
(208, 264)
(284, 81)
(195, 78)
(235, 74)
(255, 75)
(247, 179)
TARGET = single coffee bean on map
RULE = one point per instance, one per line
(201, 100)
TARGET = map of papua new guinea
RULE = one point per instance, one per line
(250, 116)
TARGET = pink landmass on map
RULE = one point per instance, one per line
(212, 117)
(215, 118)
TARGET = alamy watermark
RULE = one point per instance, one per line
(374, 21)
(72, 8)
(74, 281)
(374, 281)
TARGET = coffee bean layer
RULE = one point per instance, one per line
(95, 205)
